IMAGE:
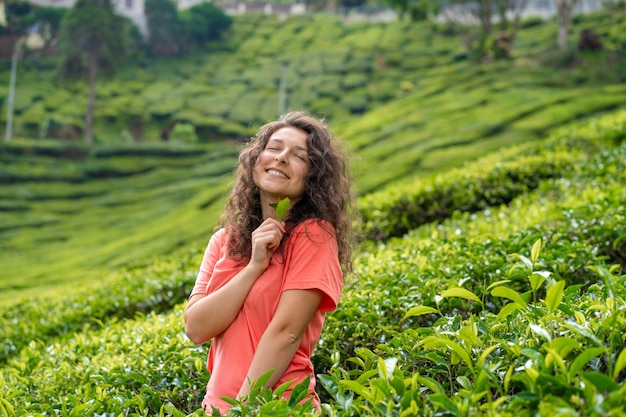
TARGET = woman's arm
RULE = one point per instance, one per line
(281, 339)
(208, 315)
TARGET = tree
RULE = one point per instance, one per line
(205, 22)
(91, 39)
(49, 22)
(415, 9)
(19, 19)
(349, 4)
(166, 34)
(564, 10)
(474, 20)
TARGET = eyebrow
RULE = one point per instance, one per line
(298, 147)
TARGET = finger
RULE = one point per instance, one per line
(266, 239)
(269, 223)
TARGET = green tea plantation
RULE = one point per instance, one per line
(490, 281)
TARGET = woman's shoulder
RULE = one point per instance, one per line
(315, 227)
(219, 236)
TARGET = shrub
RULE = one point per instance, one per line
(589, 41)
(184, 132)
(399, 209)
(356, 101)
(205, 22)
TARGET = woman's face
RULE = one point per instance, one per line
(282, 166)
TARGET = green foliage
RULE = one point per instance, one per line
(472, 188)
(184, 132)
(134, 40)
(327, 59)
(152, 286)
(281, 208)
(19, 17)
(91, 28)
(416, 10)
(205, 22)
(165, 28)
(50, 188)
(472, 357)
(49, 21)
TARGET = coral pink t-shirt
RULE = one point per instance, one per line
(308, 260)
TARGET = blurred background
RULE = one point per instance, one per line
(218, 70)
(121, 120)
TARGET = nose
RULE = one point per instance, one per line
(281, 158)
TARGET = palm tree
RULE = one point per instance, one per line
(91, 39)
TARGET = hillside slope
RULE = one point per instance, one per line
(332, 68)
(70, 213)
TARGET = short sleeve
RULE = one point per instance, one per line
(313, 262)
(210, 258)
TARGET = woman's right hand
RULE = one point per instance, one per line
(265, 240)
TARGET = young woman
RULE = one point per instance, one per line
(265, 285)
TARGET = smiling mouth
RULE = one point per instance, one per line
(276, 173)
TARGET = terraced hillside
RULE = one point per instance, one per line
(438, 112)
(330, 67)
(70, 213)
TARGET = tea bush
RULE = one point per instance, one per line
(398, 209)
(147, 287)
(61, 225)
(474, 251)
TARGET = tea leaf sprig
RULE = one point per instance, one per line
(281, 208)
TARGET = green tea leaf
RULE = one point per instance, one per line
(535, 251)
(554, 295)
(281, 208)
(527, 262)
(461, 293)
(355, 387)
(536, 280)
(419, 310)
(483, 356)
(582, 359)
(564, 345)
(431, 383)
(508, 309)
(386, 367)
(299, 392)
(540, 331)
(433, 341)
(620, 363)
(444, 402)
(497, 283)
(512, 295)
(601, 381)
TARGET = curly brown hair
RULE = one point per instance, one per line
(327, 195)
